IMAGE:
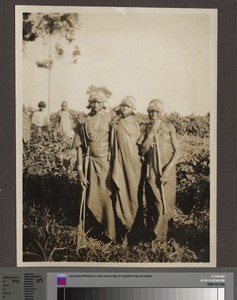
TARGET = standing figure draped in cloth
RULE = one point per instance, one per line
(65, 120)
(126, 164)
(92, 139)
(26, 126)
(160, 150)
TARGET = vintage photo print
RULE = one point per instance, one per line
(116, 136)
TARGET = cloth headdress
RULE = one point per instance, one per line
(100, 94)
(129, 100)
(156, 104)
(64, 103)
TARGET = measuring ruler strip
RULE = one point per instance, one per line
(23, 285)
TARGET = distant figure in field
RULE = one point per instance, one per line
(26, 126)
(161, 153)
(65, 120)
(40, 119)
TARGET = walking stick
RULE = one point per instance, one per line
(81, 236)
(160, 171)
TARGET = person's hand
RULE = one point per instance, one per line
(166, 174)
(155, 126)
(82, 179)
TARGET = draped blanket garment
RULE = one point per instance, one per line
(126, 171)
(94, 133)
(157, 221)
(65, 124)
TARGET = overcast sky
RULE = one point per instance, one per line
(146, 54)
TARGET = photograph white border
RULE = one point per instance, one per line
(19, 9)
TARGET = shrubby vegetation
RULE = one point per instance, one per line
(51, 201)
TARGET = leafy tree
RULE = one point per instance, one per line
(52, 29)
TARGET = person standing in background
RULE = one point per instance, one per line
(40, 119)
(26, 126)
(65, 120)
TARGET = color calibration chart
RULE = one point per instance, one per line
(140, 286)
(76, 284)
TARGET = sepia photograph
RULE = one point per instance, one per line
(116, 136)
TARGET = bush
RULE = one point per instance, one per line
(184, 125)
(49, 174)
(193, 170)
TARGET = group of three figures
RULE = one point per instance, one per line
(120, 161)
